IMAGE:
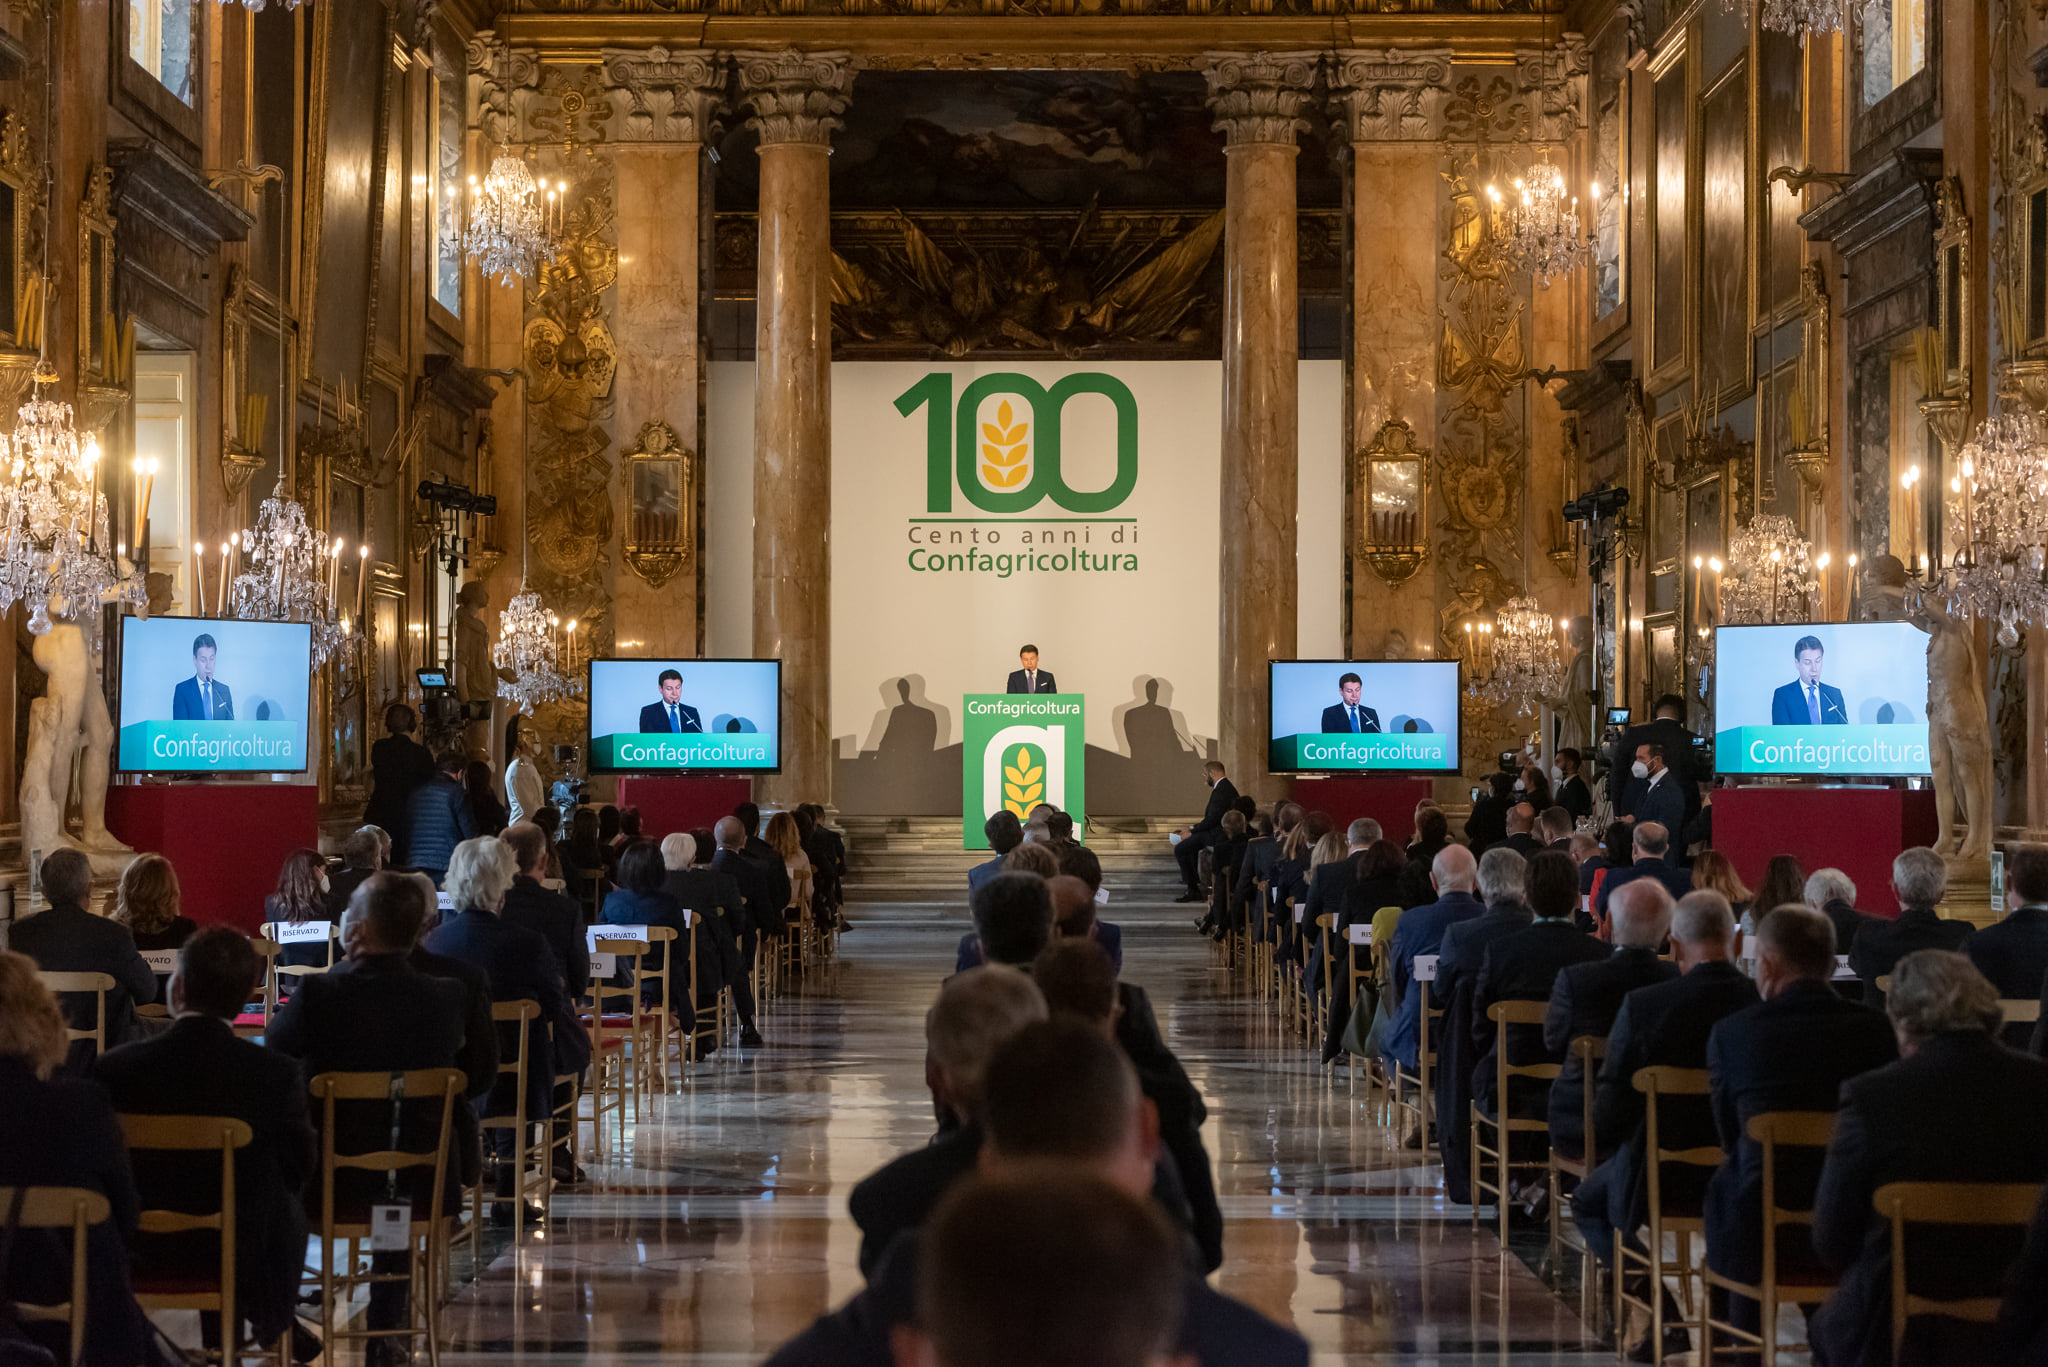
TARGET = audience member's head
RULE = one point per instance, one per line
(1233, 825)
(586, 839)
(1078, 861)
(66, 878)
(480, 783)
(1045, 1269)
(1036, 832)
(480, 873)
(384, 916)
(1247, 805)
(1794, 945)
(301, 888)
(2026, 876)
(1702, 929)
(629, 822)
(1651, 840)
(1617, 844)
(1503, 876)
(1919, 878)
(32, 1029)
(1551, 886)
(1568, 762)
(749, 816)
(1062, 1089)
(1013, 916)
(1432, 829)
(976, 1011)
(707, 845)
(363, 851)
(1329, 849)
(1073, 905)
(218, 972)
(678, 850)
(1060, 825)
(384, 841)
(1784, 884)
(451, 762)
(1640, 914)
(607, 823)
(641, 870)
(148, 900)
(1521, 819)
(1553, 824)
(783, 837)
(1939, 992)
(1035, 857)
(1004, 831)
(1361, 833)
(529, 846)
(1584, 845)
(731, 835)
(1078, 978)
(1286, 817)
(1824, 886)
(1383, 860)
(1715, 872)
(1454, 870)
(548, 817)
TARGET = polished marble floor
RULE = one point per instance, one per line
(724, 1230)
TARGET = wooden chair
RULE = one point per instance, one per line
(428, 1228)
(1808, 1284)
(276, 932)
(98, 984)
(1320, 999)
(655, 1063)
(696, 1032)
(1504, 1014)
(1589, 1050)
(2020, 1010)
(1423, 1108)
(618, 1042)
(253, 1024)
(798, 942)
(1682, 1224)
(525, 1148)
(1949, 1203)
(72, 1208)
(194, 1289)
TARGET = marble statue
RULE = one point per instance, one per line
(1958, 736)
(476, 679)
(1882, 590)
(1574, 709)
(69, 722)
(1394, 645)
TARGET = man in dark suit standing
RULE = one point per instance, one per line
(202, 697)
(1587, 997)
(1667, 730)
(66, 938)
(1790, 1052)
(1956, 1107)
(1204, 833)
(1806, 701)
(2013, 953)
(1650, 845)
(1572, 793)
(1653, 793)
(671, 714)
(1350, 715)
(1919, 880)
(198, 1067)
(1030, 678)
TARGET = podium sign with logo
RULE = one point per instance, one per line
(1017, 751)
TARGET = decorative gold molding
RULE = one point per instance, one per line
(1952, 286)
(1391, 520)
(1392, 96)
(660, 96)
(795, 96)
(661, 476)
(96, 268)
(1259, 96)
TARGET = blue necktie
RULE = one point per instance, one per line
(1354, 719)
(675, 719)
(1813, 704)
(206, 692)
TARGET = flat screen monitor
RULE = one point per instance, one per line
(200, 696)
(1827, 698)
(1363, 716)
(685, 716)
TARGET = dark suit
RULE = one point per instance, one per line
(1880, 944)
(714, 895)
(1847, 921)
(521, 966)
(1328, 888)
(198, 1067)
(654, 719)
(1337, 720)
(189, 704)
(1791, 1053)
(1460, 954)
(2023, 1319)
(556, 919)
(902, 1193)
(1524, 967)
(1421, 931)
(398, 764)
(1788, 706)
(1676, 881)
(2013, 953)
(1261, 854)
(981, 873)
(75, 1141)
(1664, 1024)
(69, 939)
(1575, 797)
(1962, 1109)
(1204, 833)
(1584, 1000)
(1019, 684)
(775, 877)
(1677, 744)
(1662, 802)
(764, 910)
(340, 887)
(478, 1057)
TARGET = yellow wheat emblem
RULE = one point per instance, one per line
(1023, 781)
(1005, 452)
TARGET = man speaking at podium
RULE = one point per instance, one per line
(1806, 701)
(1030, 679)
(1350, 714)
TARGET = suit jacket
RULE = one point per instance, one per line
(1584, 1000)
(774, 871)
(377, 1014)
(717, 899)
(188, 704)
(624, 907)
(1523, 843)
(1791, 1053)
(764, 913)
(1261, 854)
(1676, 881)
(981, 873)
(199, 1067)
(1677, 743)
(69, 939)
(1337, 722)
(1524, 967)
(1663, 803)
(1460, 954)
(1962, 1109)
(1847, 921)
(1016, 683)
(1327, 890)
(556, 919)
(1880, 944)
(398, 765)
(1222, 798)
(902, 1193)
(1664, 1024)
(654, 719)
(437, 819)
(74, 1142)
(1421, 931)
(2013, 953)
(341, 886)
(1575, 797)
(521, 966)
(1788, 706)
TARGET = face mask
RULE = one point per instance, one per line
(1556, 774)
(1640, 769)
(1475, 794)
(323, 883)
(1173, 838)
(1521, 786)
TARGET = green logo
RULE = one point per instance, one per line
(1023, 779)
(1008, 460)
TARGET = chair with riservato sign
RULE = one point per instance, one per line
(289, 934)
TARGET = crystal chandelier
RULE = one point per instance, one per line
(1998, 505)
(1538, 228)
(1524, 666)
(1770, 573)
(515, 222)
(290, 576)
(55, 549)
(526, 646)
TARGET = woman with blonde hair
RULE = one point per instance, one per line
(148, 904)
(75, 1141)
(1714, 872)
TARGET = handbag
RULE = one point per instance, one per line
(1368, 1022)
(17, 1349)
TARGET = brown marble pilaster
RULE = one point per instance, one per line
(795, 98)
(1257, 98)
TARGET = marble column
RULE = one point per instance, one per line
(795, 98)
(1257, 99)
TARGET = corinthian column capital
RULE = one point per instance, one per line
(1393, 96)
(661, 96)
(796, 96)
(1258, 96)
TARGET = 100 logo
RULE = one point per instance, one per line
(1012, 464)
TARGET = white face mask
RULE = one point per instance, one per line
(1520, 786)
(1556, 774)
(323, 883)
(1640, 769)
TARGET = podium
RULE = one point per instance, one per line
(1018, 750)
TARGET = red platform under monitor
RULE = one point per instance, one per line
(1857, 830)
(226, 840)
(669, 803)
(1389, 801)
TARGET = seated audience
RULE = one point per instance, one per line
(1261, 858)
(148, 904)
(1957, 1107)
(1374, 900)
(478, 1057)
(1919, 880)
(438, 817)
(548, 817)
(1553, 831)
(757, 893)
(75, 1142)
(782, 837)
(1503, 877)
(1521, 837)
(1614, 852)
(1073, 913)
(1333, 879)
(303, 889)
(586, 869)
(1587, 997)
(1004, 833)
(1831, 893)
(2013, 953)
(548, 914)
(1432, 837)
(976, 1011)
(1455, 876)
(773, 870)
(362, 854)
(2023, 1318)
(1033, 857)
(712, 895)
(1713, 871)
(1649, 842)
(198, 1067)
(1226, 856)
(1792, 1051)
(1784, 885)
(827, 851)
(628, 829)
(66, 938)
